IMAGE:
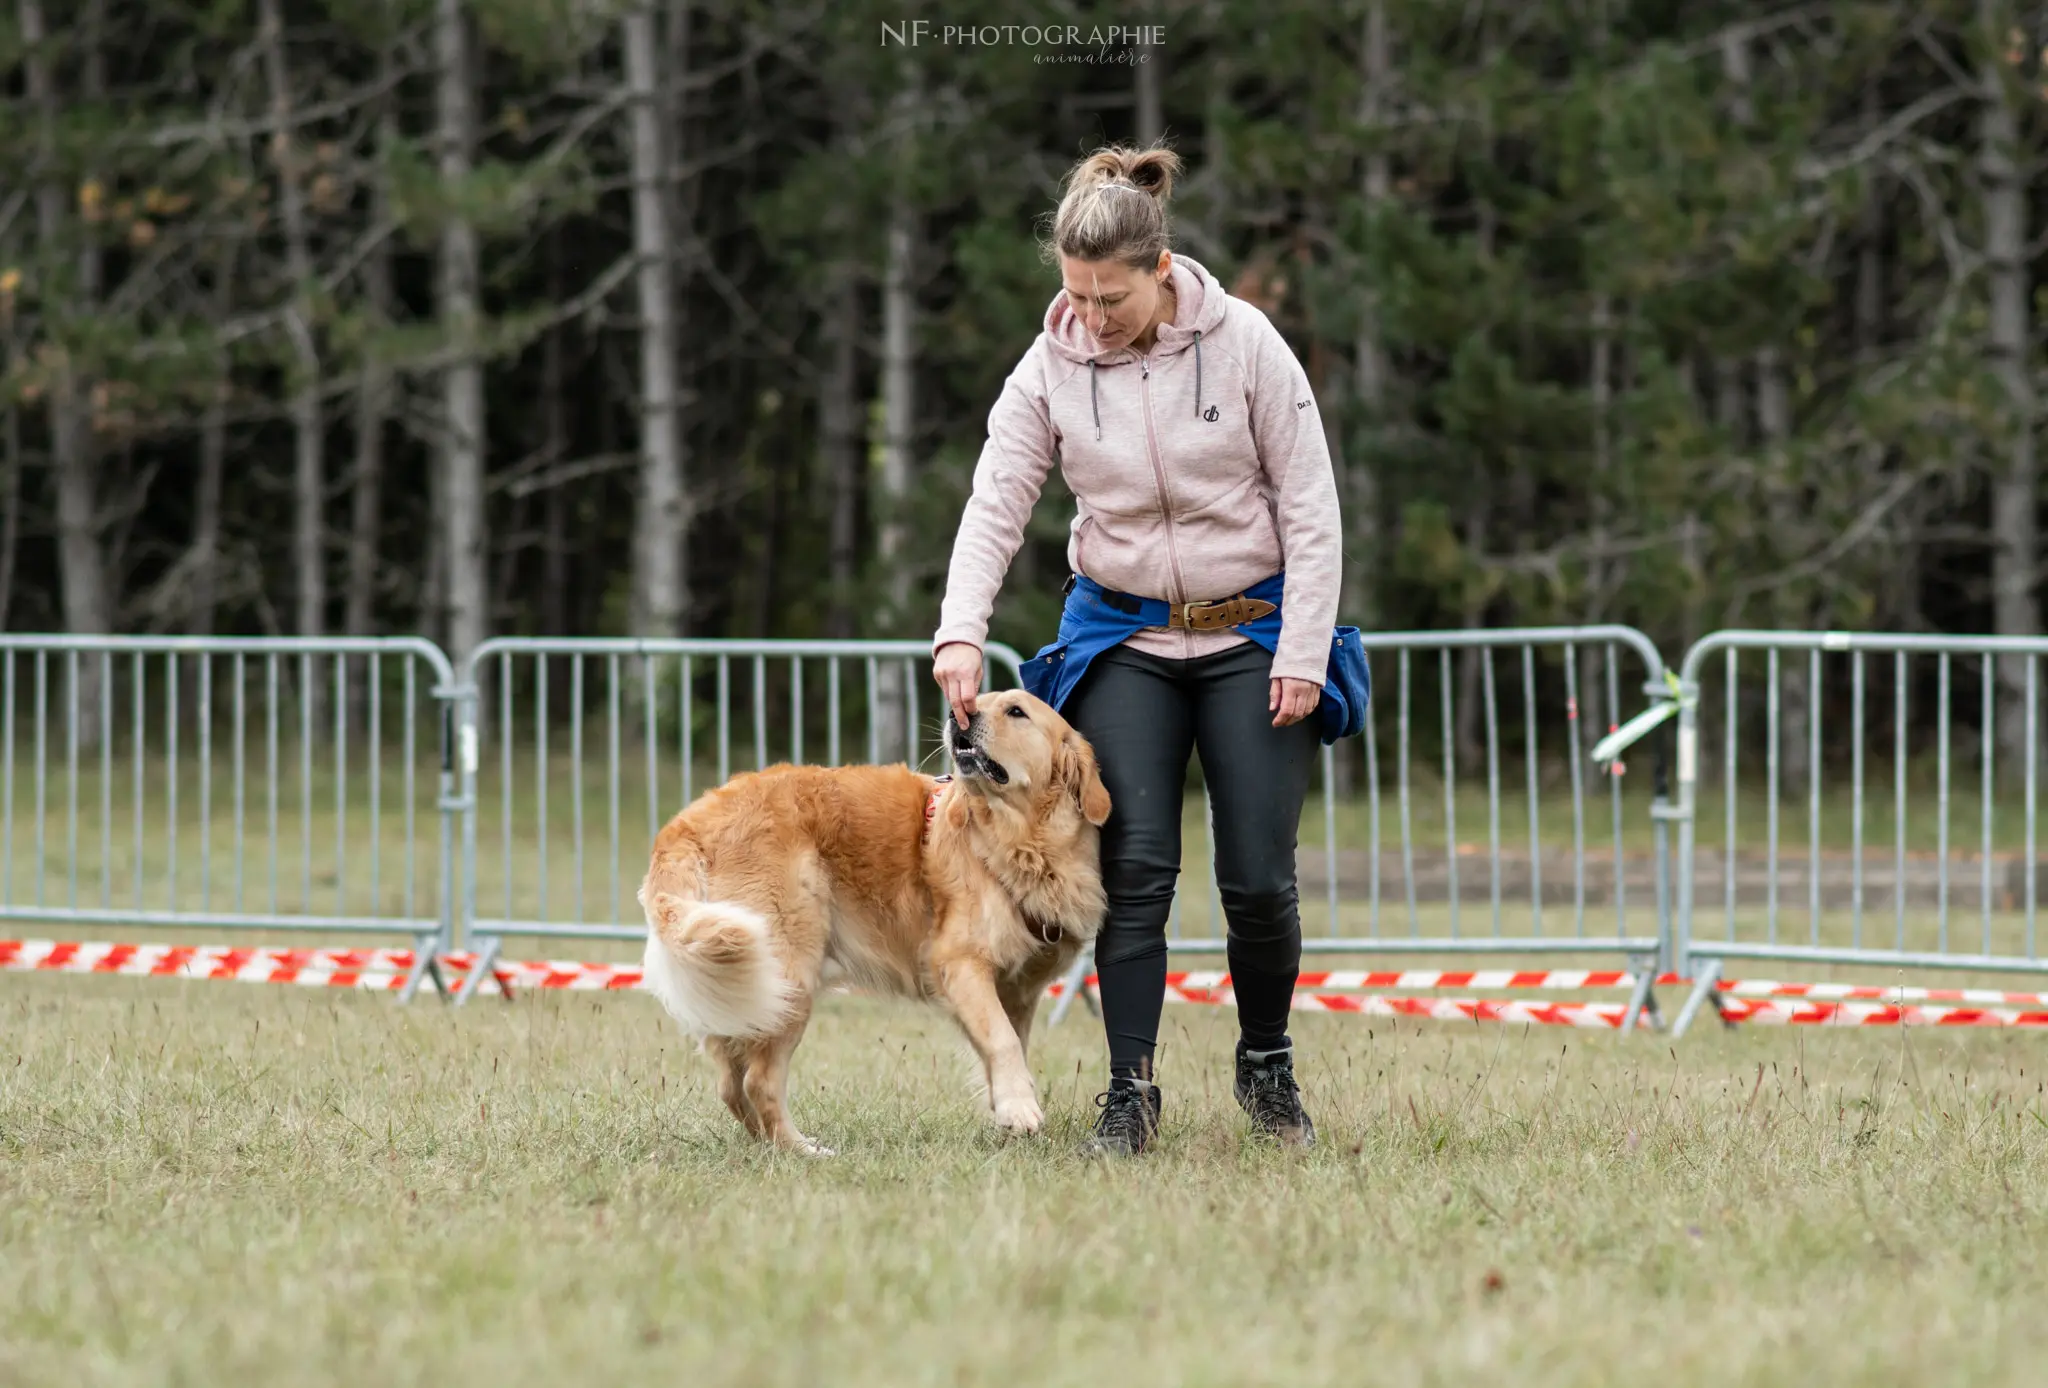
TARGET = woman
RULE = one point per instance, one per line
(1190, 439)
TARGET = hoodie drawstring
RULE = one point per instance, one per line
(1093, 402)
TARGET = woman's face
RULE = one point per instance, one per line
(1114, 302)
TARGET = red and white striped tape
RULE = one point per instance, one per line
(1597, 1015)
(1775, 1012)
(1414, 979)
(1885, 993)
(329, 968)
(379, 969)
(1742, 1000)
(568, 975)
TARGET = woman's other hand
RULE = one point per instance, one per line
(1291, 700)
(957, 671)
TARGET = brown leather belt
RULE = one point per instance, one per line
(1191, 616)
(1215, 616)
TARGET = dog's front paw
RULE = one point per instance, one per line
(1019, 1113)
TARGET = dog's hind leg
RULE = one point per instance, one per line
(766, 1086)
(730, 1059)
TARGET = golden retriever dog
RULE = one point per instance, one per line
(973, 891)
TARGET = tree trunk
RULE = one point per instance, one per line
(1774, 436)
(462, 436)
(839, 450)
(1477, 517)
(762, 620)
(678, 193)
(309, 473)
(1790, 611)
(1869, 308)
(213, 458)
(1369, 360)
(10, 507)
(893, 456)
(1692, 530)
(1601, 392)
(505, 575)
(1900, 599)
(1470, 707)
(661, 518)
(373, 402)
(366, 502)
(554, 596)
(434, 567)
(1149, 115)
(1730, 409)
(81, 556)
(2015, 483)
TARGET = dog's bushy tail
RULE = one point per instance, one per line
(710, 964)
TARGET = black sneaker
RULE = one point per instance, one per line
(1130, 1116)
(1266, 1090)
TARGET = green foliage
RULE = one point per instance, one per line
(1568, 187)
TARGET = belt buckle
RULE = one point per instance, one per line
(1189, 610)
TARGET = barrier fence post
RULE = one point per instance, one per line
(482, 954)
(429, 948)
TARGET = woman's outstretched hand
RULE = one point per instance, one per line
(957, 670)
(1293, 700)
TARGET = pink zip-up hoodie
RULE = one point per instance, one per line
(1199, 468)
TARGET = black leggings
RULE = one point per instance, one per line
(1144, 714)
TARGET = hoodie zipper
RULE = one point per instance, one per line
(1180, 586)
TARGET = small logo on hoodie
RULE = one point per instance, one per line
(1210, 414)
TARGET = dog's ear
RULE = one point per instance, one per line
(1079, 772)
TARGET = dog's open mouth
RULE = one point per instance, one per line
(972, 762)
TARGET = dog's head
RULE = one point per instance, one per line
(1016, 747)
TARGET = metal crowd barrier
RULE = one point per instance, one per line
(1888, 890)
(577, 750)
(1559, 879)
(283, 785)
(549, 854)
(239, 783)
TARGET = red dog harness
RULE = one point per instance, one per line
(1045, 932)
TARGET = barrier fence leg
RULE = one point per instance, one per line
(1641, 996)
(1074, 982)
(426, 964)
(1702, 993)
(481, 967)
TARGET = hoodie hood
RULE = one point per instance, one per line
(1198, 308)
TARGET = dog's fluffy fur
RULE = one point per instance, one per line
(784, 881)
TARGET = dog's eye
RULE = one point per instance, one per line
(1017, 711)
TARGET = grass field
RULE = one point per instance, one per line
(210, 1183)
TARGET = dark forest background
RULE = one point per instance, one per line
(467, 317)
